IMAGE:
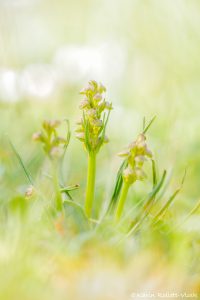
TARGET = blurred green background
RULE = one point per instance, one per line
(147, 55)
(145, 52)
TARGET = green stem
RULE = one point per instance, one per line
(90, 183)
(58, 196)
(122, 200)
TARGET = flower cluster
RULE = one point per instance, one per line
(53, 144)
(91, 128)
(136, 154)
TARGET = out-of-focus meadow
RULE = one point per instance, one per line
(147, 55)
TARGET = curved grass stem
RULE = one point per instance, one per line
(122, 200)
(90, 183)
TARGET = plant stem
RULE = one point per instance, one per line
(58, 196)
(122, 200)
(90, 183)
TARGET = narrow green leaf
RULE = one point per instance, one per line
(69, 188)
(154, 173)
(143, 124)
(118, 186)
(170, 200)
(166, 205)
(105, 122)
(149, 124)
(155, 191)
(197, 206)
(28, 176)
(148, 205)
(87, 136)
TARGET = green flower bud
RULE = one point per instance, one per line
(140, 159)
(37, 136)
(55, 152)
(108, 105)
(84, 104)
(94, 84)
(90, 88)
(83, 91)
(124, 153)
(102, 88)
(61, 140)
(140, 174)
(101, 106)
(50, 125)
(133, 148)
(106, 139)
(97, 97)
(92, 113)
(79, 129)
(96, 122)
(148, 152)
(80, 136)
(129, 175)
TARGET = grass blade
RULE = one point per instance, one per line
(170, 200)
(69, 188)
(147, 206)
(117, 188)
(155, 191)
(28, 176)
(154, 173)
(148, 125)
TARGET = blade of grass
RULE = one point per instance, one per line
(170, 200)
(154, 173)
(155, 191)
(65, 148)
(28, 176)
(150, 202)
(117, 188)
(144, 124)
(194, 209)
(86, 127)
(69, 188)
(105, 122)
(149, 124)
(197, 206)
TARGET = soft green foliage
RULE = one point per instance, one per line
(49, 220)
(147, 54)
(92, 129)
